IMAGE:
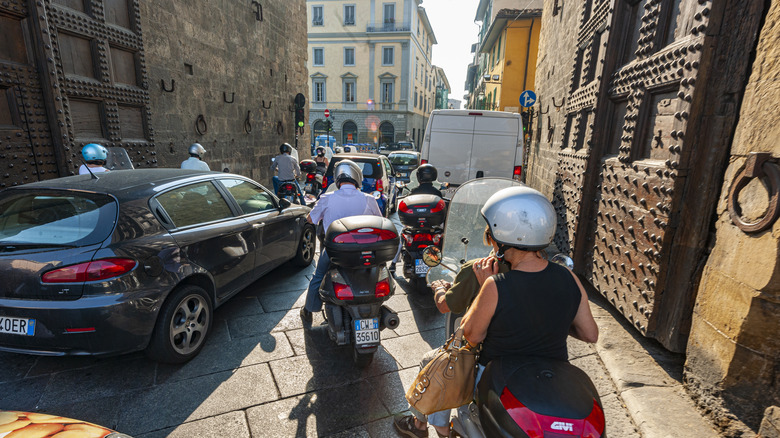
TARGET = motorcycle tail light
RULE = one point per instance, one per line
(96, 270)
(342, 291)
(438, 207)
(403, 208)
(310, 177)
(382, 288)
(365, 235)
(524, 417)
(538, 425)
(423, 161)
(594, 423)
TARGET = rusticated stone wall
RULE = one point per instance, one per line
(733, 356)
(224, 73)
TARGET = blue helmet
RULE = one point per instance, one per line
(94, 152)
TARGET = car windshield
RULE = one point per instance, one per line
(403, 159)
(55, 218)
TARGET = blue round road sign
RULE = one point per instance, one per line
(527, 98)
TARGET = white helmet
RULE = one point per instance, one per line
(348, 171)
(197, 149)
(520, 217)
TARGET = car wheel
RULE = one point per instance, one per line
(182, 326)
(306, 249)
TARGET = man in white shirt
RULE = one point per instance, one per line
(288, 168)
(344, 202)
(195, 162)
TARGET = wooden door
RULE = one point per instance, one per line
(27, 152)
(647, 132)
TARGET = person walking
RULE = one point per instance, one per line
(344, 202)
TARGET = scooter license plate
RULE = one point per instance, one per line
(367, 331)
(420, 267)
(307, 187)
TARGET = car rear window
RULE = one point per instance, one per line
(403, 159)
(55, 218)
(370, 169)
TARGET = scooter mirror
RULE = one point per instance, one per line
(431, 256)
(376, 194)
(563, 260)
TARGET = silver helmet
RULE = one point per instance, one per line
(197, 149)
(348, 171)
(520, 217)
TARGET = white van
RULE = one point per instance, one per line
(468, 144)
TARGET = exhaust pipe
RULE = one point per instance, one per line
(388, 318)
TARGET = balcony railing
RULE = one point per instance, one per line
(389, 27)
(316, 22)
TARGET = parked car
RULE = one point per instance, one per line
(378, 176)
(136, 259)
(404, 163)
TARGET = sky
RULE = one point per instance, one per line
(453, 24)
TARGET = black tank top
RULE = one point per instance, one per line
(533, 314)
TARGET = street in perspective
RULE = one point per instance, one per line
(465, 218)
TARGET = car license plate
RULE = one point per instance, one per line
(420, 267)
(367, 331)
(17, 326)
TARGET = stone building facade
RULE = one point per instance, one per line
(638, 102)
(151, 77)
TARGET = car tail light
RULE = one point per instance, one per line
(365, 235)
(423, 161)
(403, 208)
(382, 288)
(96, 270)
(380, 186)
(517, 172)
(342, 291)
(439, 206)
(539, 426)
(309, 177)
(324, 182)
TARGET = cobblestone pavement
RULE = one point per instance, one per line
(260, 374)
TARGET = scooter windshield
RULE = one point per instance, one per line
(465, 227)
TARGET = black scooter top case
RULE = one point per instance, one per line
(420, 212)
(308, 166)
(548, 387)
(365, 241)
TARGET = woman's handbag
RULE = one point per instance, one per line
(447, 381)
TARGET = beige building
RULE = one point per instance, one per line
(370, 65)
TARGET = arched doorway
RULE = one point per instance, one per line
(349, 132)
(387, 133)
(319, 128)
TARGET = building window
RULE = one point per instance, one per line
(415, 97)
(349, 56)
(387, 92)
(389, 14)
(349, 91)
(349, 15)
(319, 56)
(319, 90)
(388, 55)
(316, 16)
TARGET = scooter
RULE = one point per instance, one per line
(289, 191)
(423, 219)
(314, 174)
(358, 283)
(516, 396)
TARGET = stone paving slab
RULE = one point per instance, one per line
(172, 404)
(233, 425)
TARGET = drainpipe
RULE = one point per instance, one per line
(528, 52)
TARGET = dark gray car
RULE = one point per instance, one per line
(404, 163)
(137, 259)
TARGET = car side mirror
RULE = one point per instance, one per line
(283, 203)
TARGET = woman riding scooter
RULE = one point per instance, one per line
(528, 311)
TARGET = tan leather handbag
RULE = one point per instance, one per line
(447, 381)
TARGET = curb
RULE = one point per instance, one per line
(647, 377)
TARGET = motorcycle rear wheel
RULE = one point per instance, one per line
(362, 360)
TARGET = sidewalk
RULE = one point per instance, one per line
(648, 378)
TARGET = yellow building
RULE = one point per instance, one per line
(505, 56)
(370, 66)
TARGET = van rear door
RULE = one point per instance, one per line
(450, 146)
(496, 147)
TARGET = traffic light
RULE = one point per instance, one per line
(525, 118)
(300, 116)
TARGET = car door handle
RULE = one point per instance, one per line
(256, 226)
